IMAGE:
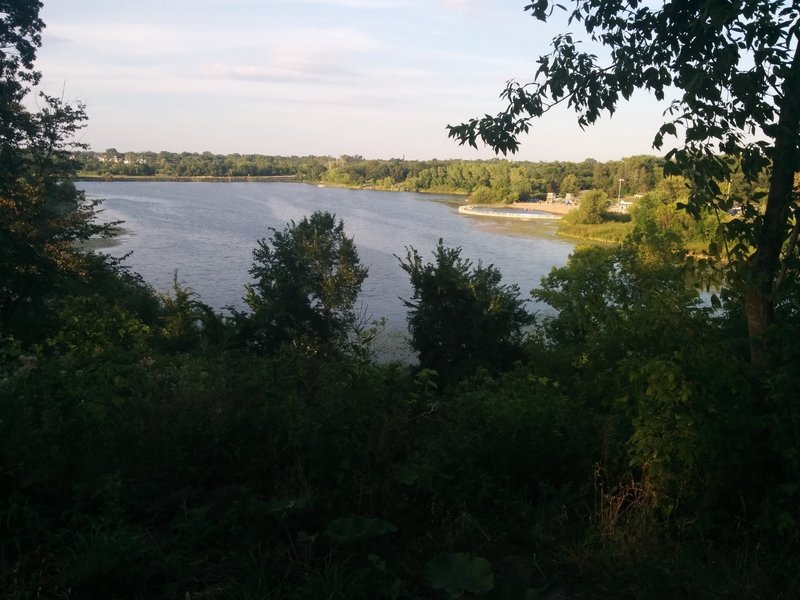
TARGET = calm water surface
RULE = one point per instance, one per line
(207, 231)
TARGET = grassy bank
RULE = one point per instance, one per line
(609, 232)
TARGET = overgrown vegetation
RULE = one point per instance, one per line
(732, 71)
(151, 448)
(657, 215)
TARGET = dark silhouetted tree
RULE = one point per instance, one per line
(42, 215)
(307, 281)
(462, 317)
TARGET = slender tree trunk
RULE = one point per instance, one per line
(764, 263)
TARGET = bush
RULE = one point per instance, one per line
(591, 208)
(461, 318)
(308, 278)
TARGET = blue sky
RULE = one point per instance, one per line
(380, 78)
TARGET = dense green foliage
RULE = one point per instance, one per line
(656, 216)
(42, 215)
(307, 280)
(145, 452)
(152, 448)
(732, 73)
(462, 317)
(591, 208)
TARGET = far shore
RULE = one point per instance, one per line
(176, 178)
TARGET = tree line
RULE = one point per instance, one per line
(505, 180)
(490, 181)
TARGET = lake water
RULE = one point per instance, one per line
(207, 232)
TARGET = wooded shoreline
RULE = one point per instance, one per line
(193, 179)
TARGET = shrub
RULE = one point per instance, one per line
(591, 208)
(461, 317)
(308, 278)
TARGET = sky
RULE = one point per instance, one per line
(378, 78)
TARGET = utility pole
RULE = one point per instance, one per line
(619, 192)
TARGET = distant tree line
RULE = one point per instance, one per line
(204, 164)
(490, 180)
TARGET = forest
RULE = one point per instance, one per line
(641, 442)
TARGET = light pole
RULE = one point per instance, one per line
(619, 191)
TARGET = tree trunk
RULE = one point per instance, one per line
(764, 263)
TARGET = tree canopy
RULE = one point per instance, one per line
(308, 278)
(592, 205)
(42, 215)
(20, 37)
(461, 317)
(734, 71)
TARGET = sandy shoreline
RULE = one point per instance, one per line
(556, 208)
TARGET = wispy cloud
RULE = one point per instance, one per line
(298, 56)
(297, 73)
(133, 40)
(354, 74)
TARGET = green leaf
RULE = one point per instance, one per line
(457, 574)
(356, 529)
(514, 591)
(406, 474)
(377, 562)
(286, 505)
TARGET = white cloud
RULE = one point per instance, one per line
(146, 39)
(309, 72)
(305, 75)
(106, 40)
(325, 39)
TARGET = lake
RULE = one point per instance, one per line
(207, 232)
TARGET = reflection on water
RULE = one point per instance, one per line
(207, 231)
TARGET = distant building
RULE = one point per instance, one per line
(624, 205)
(113, 158)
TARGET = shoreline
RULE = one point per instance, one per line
(504, 212)
(254, 179)
(555, 208)
(528, 211)
(189, 178)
